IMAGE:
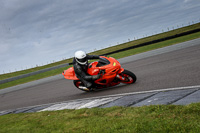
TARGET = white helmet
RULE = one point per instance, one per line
(80, 57)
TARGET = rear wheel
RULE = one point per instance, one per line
(80, 85)
(130, 77)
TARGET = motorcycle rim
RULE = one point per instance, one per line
(78, 83)
(130, 77)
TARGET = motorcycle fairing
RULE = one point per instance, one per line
(70, 74)
(111, 69)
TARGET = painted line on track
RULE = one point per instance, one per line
(182, 97)
(133, 93)
(102, 100)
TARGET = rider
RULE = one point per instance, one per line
(80, 63)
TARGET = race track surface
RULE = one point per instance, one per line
(173, 69)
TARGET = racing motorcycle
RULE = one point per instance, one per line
(111, 72)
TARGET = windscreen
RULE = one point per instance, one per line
(103, 62)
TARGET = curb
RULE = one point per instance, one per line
(174, 96)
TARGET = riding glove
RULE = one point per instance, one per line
(96, 77)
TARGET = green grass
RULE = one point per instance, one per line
(33, 77)
(156, 45)
(147, 39)
(106, 50)
(13, 74)
(117, 56)
(155, 118)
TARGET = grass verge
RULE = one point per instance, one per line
(155, 46)
(154, 118)
(33, 77)
(117, 56)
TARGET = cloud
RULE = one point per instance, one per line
(187, 1)
(37, 32)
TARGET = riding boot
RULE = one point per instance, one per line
(87, 85)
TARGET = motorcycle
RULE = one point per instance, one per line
(111, 72)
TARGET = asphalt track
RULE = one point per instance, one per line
(178, 68)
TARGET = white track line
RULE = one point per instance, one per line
(66, 103)
(132, 93)
(97, 101)
(124, 94)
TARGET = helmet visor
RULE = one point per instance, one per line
(82, 60)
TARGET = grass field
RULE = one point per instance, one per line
(155, 46)
(154, 118)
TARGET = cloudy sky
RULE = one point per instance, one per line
(36, 32)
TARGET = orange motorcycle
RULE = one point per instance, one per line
(111, 74)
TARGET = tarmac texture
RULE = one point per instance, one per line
(175, 96)
(169, 67)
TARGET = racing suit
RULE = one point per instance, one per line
(81, 71)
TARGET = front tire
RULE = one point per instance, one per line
(130, 77)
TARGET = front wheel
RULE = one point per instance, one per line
(130, 77)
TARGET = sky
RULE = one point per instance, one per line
(38, 32)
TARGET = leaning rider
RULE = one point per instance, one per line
(80, 63)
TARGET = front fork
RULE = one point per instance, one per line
(120, 77)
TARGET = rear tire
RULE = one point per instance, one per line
(130, 77)
(78, 83)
